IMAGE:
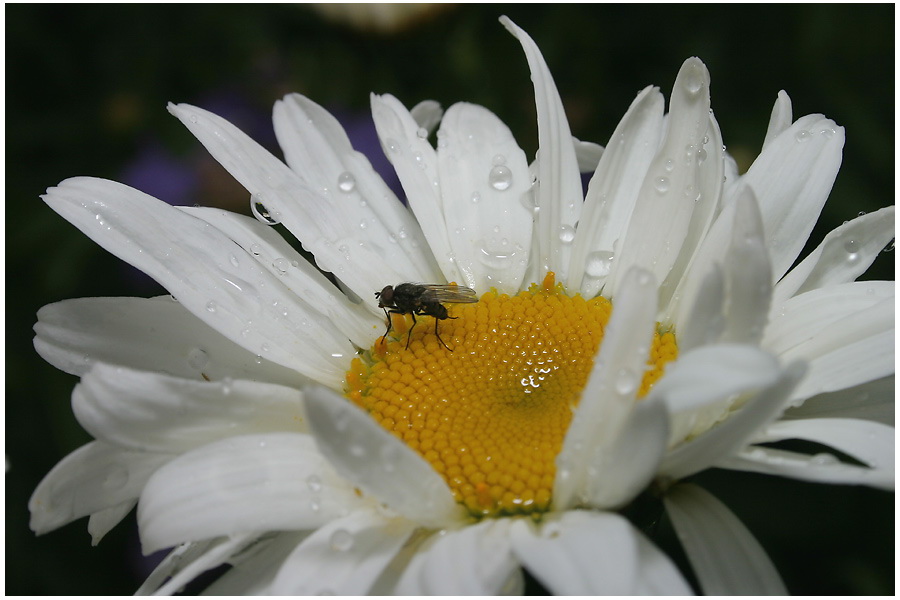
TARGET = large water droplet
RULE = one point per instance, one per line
(346, 182)
(281, 265)
(341, 540)
(661, 184)
(566, 234)
(422, 133)
(693, 82)
(500, 178)
(197, 358)
(598, 263)
(625, 381)
(259, 210)
(802, 135)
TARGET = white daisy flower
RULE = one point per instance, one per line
(262, 417)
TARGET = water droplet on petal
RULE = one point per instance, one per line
(626, 381)
(661, 184)
(498, 160)
(314, 482)
(116, 478)
(500, 178)
(259, 210)
(476, 197)
(422, 133)
(197, 358)
(211, 306)
(281, 265)
(598, 263)
(392, 146)
(802, 135)
(566, 234)
(194, 118)
(346, 182)
(341, 540)
(823, 459)
(233, 260)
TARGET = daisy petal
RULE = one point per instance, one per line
(153, 412)
(781, 119)
(657, 575)
(579, 553)
(93, 478)
(613, 190)
(184, 554)
(243, 483)
(771, 461)
(244, 302)
(608, 397)
(484, 175)
(473, 561)
(725, 556)
(873, 401)
(263, 244)
(727, 437)
(377, 461)
(844, 254)
(792, 178)
(427, 114)
(317, 148)
(74, 335)
(415, 162)
(558, 193)
(216, 555)
(866, 441)
(665, 204)
(857, 349)
(588, 155)
(306, 212)
(101, 522)
(344, 557)
(701, 320)
(254, 570)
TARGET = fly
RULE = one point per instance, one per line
(422, 299)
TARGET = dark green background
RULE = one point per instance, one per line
(86, 89)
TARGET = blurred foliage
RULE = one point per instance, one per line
(86, 90)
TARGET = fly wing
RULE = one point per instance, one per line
(448, 293)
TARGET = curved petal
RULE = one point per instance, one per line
(74, 335)
(866, 441)
(153, 412)
(666, 202)
(473, 561)
(483, 176)
(726, 438)
(246, 483)
(427, 114)
(344, 557)
(725, 556)
(701, 319)
(781, 118)
(209, 558)
(657, 575)
(609, 396)
(377, 461)
(415, 162)
(244, 302)
(254, 570)
(613, 190)
(263, 244)
(792, 178)
(306, 212)
(844, 254)
(317, 148)
(558, 193)
(173, 562)
(873, 401)
(579, 553)
(93, 478)
(100, 523)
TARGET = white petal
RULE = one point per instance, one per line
(558, 193)
(427, 114)
(216, 555)
(377, 461)
(613, 190)
(866, 441)
(93, 478)
(344, 557)
(873, 401)
(771, 461)
(665, 205)
(609, 395)
(588, 155)
(73, 335)
(415, 162)
(191, 259)
(100, 523)
(701, 318)
(246, 483)
(473, 561)
(792, 178)
(484, 175)
(174, 561)
(726, 438)
(657, 575)
(805, 316)
(781, 119)
(158, 413)
(261, 243)
(725, 556)
(857, 349)
(844, 254)
(579, 553)
(254, 570)
(317, 148)
(306, 212)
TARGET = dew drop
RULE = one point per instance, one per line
(598, 263)
(670, 165)
(500, 178)
(116, 478)
(197, 358)
(227, 384)
(392, 145)
(211, 306)
(357, 450)
(422, 133)
(346, 182)
(314, 483)
(693, 83)
(566, 234)
(341, 540)
(802, 135)
(314, 505)
(626, 381)
(259, 210)
(255, 249)
(233, 260)
(281, 265)
(661, 184)
(498, 160)
(823, 459)
(194, 118)
(476, 198)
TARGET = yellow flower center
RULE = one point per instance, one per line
(490, 414)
